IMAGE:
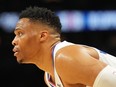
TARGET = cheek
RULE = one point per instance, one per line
(28, 46)
(24, 45)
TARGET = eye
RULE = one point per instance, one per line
(20, 34)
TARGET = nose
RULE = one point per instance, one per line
(14, 42)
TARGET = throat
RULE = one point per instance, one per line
(46, 63)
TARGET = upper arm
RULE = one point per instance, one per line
(75, 65)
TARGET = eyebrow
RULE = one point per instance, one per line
(16, 29)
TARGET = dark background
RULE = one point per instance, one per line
(13, 74)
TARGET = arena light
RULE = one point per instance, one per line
(76, 21)
(8, 21)
(72, 21)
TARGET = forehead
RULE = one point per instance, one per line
(26, 23)
(22, 23)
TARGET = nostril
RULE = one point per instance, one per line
(13, 43)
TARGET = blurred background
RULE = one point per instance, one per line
(89, 22)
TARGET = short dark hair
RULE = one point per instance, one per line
(43, 15)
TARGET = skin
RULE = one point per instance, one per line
(34, 42)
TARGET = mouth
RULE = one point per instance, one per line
(15, 50)
(15, 54)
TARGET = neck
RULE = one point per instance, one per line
(45, 61)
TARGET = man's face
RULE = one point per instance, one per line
(26, 41)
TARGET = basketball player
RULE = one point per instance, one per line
(66, 64)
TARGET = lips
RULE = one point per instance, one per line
(16, 51)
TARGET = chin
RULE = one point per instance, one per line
(23, 62)
(19, 61)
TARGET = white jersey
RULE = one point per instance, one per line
(104, 57)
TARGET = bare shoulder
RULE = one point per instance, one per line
(74, 53)
(68, 62)
(75, 65)
(69, 54)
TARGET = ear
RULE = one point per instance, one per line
(43, 35)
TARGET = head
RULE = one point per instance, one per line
(36, 26)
